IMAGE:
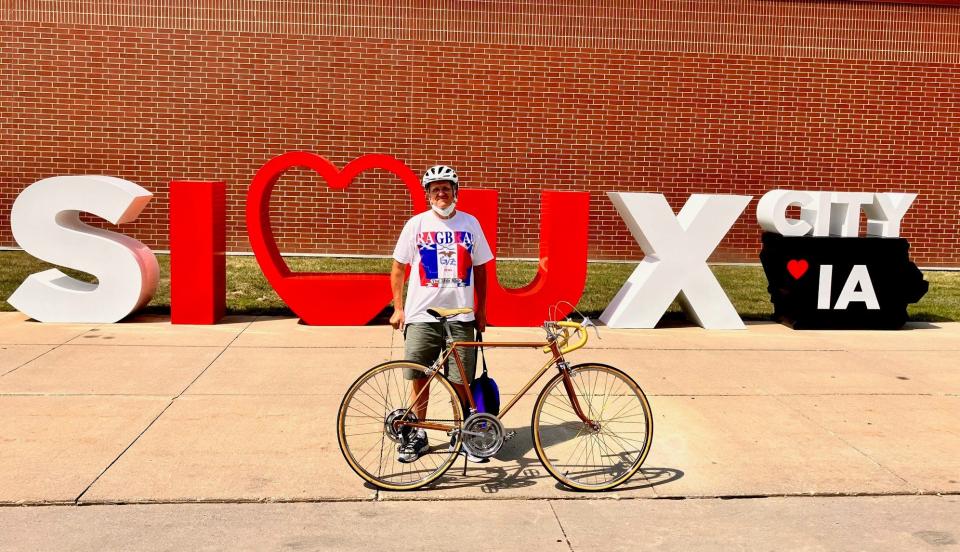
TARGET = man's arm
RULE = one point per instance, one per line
(397, 274)
(480, 286)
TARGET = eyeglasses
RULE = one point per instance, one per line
(438, 191)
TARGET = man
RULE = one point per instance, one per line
(448, 251)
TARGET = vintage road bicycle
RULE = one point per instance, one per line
(592, 425)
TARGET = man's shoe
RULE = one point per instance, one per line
(463, 452)
(413, 448)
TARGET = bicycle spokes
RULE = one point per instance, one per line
(592, 426)
(376, 427)
(609, 447)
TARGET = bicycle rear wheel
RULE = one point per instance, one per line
(598, 457)
(367, 441)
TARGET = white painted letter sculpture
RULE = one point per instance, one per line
(45, 221)
(833, 213)
(675, 260)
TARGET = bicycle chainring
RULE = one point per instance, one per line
(483, 435)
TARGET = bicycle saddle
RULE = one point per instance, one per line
(441, 313)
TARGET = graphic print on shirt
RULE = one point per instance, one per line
(445, 258)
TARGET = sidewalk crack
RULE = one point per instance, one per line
(207, 367)
(77, 500)
(560, 525)
(54, 348)
(79, 335)
(169, 404)
(842, 440)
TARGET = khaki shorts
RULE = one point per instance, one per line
(424, 341)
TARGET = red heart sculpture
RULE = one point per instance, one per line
(797, 268)
(318, 298)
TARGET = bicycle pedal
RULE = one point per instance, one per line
(509, 435)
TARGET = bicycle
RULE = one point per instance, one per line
(592, 425)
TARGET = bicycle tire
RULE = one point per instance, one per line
(583, 458)
(361, 427)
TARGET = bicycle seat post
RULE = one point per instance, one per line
(448, 334)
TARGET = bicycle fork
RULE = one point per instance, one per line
(572, 394)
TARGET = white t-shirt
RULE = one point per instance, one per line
(443, 253)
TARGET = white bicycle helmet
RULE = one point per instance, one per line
(437, 173)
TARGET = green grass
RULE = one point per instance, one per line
(249, 293)
(942, 302)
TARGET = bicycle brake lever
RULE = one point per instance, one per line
(587, 323)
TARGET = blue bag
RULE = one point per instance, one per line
(486, 394)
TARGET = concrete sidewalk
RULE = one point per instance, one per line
(244, 411)
(896, 523)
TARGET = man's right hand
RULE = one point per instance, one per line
(397, 319)
(398, 272)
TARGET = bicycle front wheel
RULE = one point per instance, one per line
(594, 456)
(370, 442)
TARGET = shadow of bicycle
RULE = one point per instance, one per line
(516, 466)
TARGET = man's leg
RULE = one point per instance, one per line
(463, 331)
(419, 395)
(422, 344)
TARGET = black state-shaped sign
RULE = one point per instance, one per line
(793, 266)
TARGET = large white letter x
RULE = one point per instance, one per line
(676, 250)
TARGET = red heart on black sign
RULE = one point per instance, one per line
(797, 268)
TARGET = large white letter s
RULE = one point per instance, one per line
(45, 222)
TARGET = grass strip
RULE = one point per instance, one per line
(249, 293)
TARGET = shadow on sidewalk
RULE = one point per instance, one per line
(527, 473)
(523, 471)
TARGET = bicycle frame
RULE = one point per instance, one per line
(552, 346)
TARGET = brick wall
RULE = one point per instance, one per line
(672, 96)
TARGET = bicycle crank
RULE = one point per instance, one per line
(483, 435)
(507, 436)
